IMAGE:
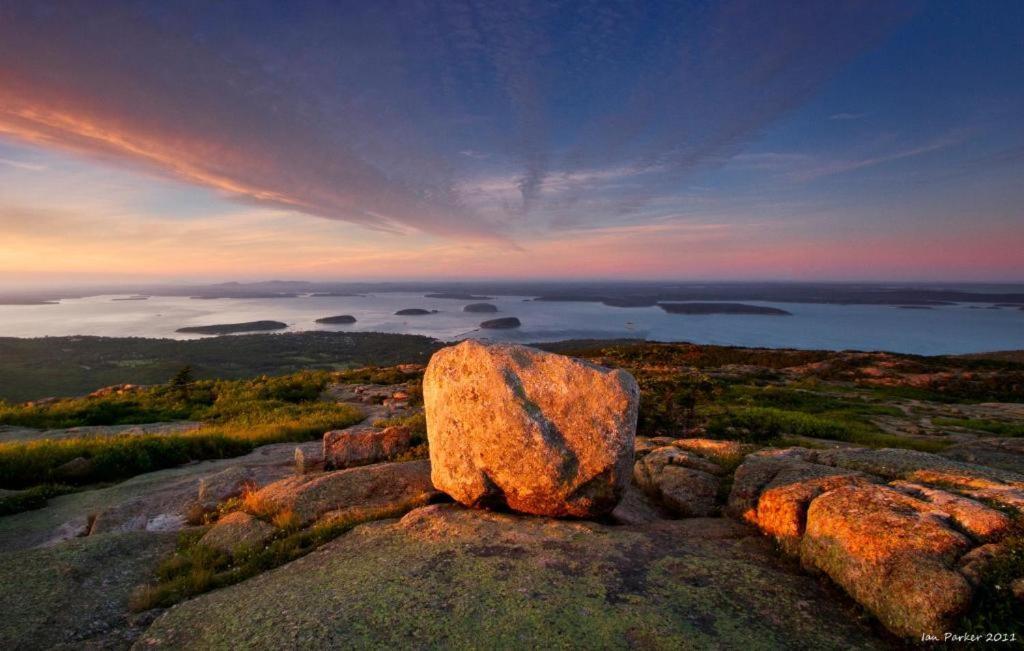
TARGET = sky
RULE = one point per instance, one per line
(731, 140)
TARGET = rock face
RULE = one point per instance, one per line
(900, 531)
(360, 445)
(451, 577)
(537, 432)
(390, 487)
(74, 595)
(891, 554)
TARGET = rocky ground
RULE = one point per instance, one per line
(795, 541)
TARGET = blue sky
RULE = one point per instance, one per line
(729, 140)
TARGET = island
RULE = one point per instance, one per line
(480, 307)
(215, 296)
(131, 298)
(414, 311)
(232, 328)
(504, 323)
(341, 319)
(721, 308)
(334, 294)
(459, 296)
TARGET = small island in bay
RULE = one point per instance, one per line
(504, 323)
(334, 294)
(721, 308)
(233, 328)
(459, 296)
(340, 319)
(480, 307)
(131, 298)
(215, 295)
(414, 311)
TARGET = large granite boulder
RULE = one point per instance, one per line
(512, 426)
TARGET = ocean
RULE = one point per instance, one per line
(952, 329)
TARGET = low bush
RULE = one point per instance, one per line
(415, 423)
(998, 427)
(239, 415)
(996, 609)
(31, 498)
(195, 568)
(769, 425)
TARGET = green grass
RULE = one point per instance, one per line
(377, 375)
(195, 568)
(997, 427)
(770, 425)
(65, 366)
(238, 416)
(810, 402)
(416, 423)
(32, 498)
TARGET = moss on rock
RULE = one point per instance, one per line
(448, 577)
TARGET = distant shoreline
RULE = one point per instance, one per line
(33, 368)
(614, 294)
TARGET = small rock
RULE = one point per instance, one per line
(1017, 587)
(238, 529)
(684, 483)
(358, 446)
(721, 452)
(76, 528)
(164, 522)
(76, 470)
(383, 486)
(974, 563)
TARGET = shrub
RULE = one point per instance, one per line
(415, 423)
(998, 427)
(996, 609)
(768, 425)
(240, 415)
(195, 569)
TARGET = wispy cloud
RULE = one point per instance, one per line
(840, 166)
(381, 114)
(22, 165)
(802, 167)
(846, 116)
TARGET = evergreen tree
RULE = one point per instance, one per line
(182, 381)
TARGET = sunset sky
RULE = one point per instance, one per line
(413, 139)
